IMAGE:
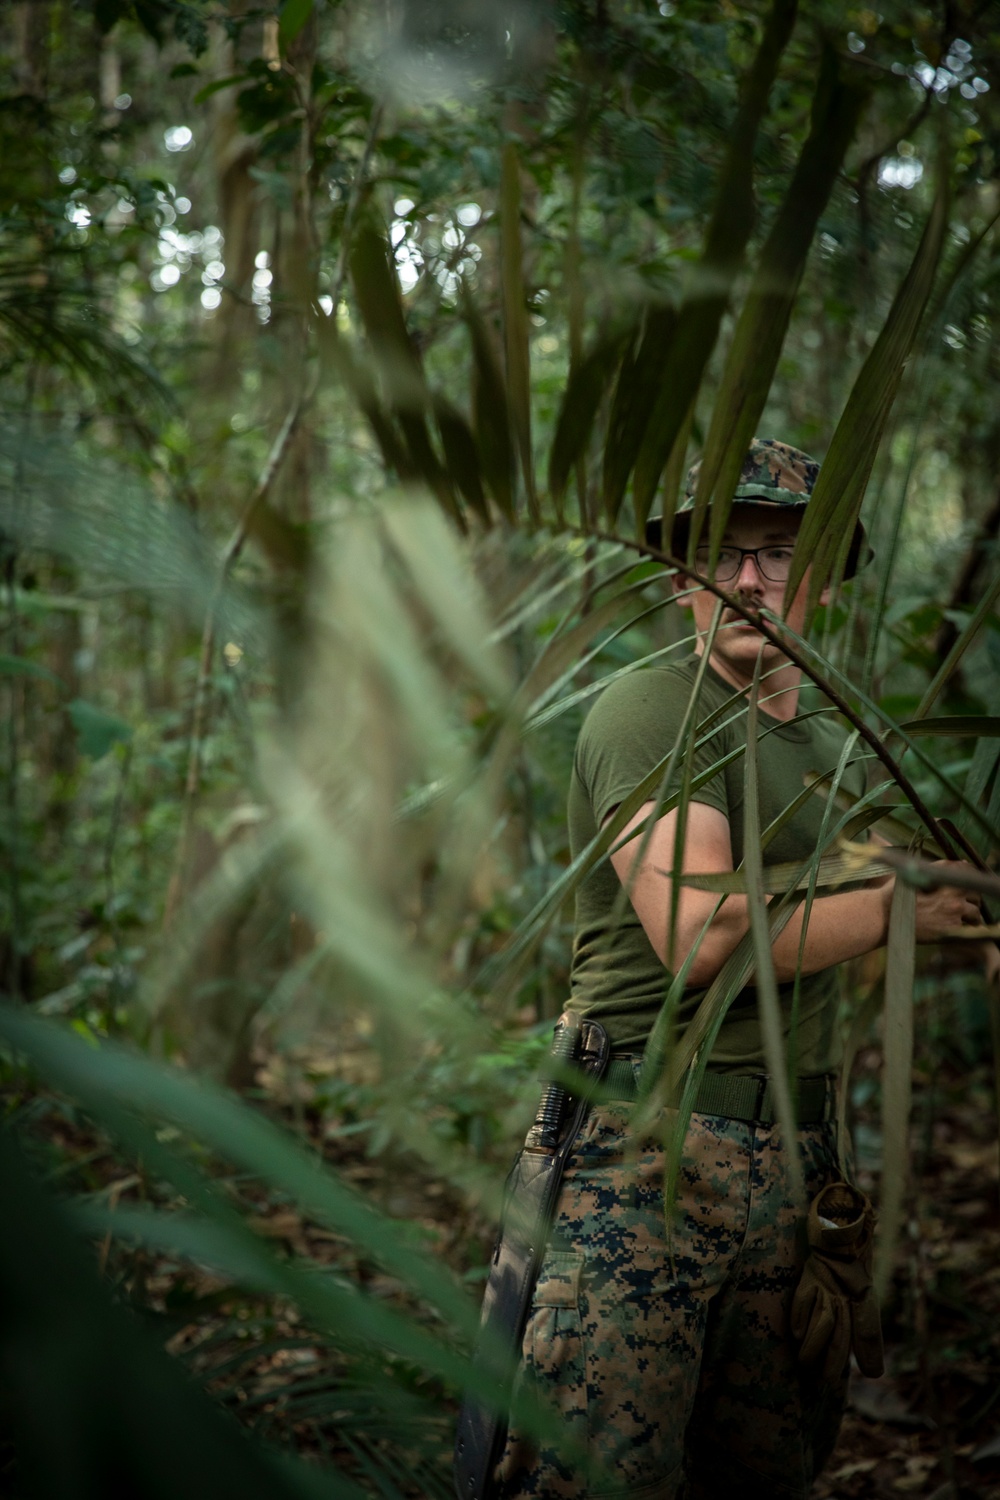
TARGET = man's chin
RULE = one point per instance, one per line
(742, 647)
(742, 637)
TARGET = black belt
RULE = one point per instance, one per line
(738, 1096)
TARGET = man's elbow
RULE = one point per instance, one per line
(704, 969)
(709, 955)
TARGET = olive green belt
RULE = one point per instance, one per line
(739, 1096)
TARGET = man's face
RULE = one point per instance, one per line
(737, 644)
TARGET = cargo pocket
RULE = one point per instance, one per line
(553, 1340)
(552, 1376)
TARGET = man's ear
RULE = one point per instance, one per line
(824, 595)
(680, 583)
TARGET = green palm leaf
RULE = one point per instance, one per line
(760, 330)
(829, 519)
(726, 238)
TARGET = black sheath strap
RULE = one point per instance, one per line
(532, 1190)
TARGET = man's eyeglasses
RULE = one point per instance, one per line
(773, 563)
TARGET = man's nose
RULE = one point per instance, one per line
(749, 576)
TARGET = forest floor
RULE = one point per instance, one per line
(929, 1428)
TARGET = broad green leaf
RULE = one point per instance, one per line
(538, 717)
(293, 17)
(89, 1353)
(984, 763)
(832, 870)
(542, 709)
(356, 376)
(888, 827)
(639, 378)
(406, 393)
(515, 317)
(327, 1302)
(217, 84)
(432, 553)
(217, 1235)
(726, 238)
(491, 412)
(897, 1076)
(565, 647)
(381, 311)
(246, 1138)
(96, 730)
(830, 678)
(460, 455)
(966, 637)
(20, 666)
(981, 725)
(673, 479)
(760, 330)
(585, 389)
(993, 810)
(830, 517)
(888, 540)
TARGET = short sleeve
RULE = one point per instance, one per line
(635, 723)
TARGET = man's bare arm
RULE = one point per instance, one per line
(841, 926)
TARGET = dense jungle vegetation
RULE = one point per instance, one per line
(345, 348)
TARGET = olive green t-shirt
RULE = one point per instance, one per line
(617, 978)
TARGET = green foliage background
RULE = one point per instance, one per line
(343, 351)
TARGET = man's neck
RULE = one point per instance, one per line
(779, 688)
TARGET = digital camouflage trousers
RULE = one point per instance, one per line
(670, 1365)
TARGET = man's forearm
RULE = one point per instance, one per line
(841, 926)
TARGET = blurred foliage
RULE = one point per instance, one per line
(343, 351)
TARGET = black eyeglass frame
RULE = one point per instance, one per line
(744, 552)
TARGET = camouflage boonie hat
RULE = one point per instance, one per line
(773, 473)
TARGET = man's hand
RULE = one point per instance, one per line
(943, 909)
(991, 962)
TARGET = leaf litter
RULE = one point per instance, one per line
(930, 1427)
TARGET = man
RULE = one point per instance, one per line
(670, 1359)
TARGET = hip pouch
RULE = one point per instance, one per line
(835, 1310)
